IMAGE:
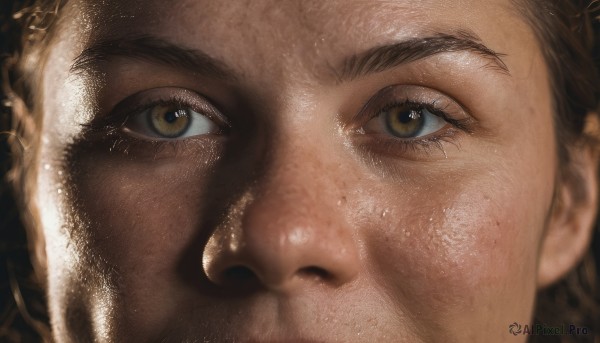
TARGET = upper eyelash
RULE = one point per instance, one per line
(116, 121)
(400, 146)
(433, 108)
(110, 128)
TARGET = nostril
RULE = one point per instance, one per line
(314, 272)
(238, 273)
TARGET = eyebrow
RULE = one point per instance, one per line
(385, 57)
(151, 49)
(374, 60)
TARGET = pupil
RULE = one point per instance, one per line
(405, 123)
(171, 117)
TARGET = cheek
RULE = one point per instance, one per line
(443, 250)
(134, 223)
(137, 220)
(143, 220)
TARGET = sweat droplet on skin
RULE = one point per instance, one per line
(384, 213)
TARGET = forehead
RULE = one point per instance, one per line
(322, 18)
(299, 36)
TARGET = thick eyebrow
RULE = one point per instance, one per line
(151, 49)
(385, 57)
(374, 60)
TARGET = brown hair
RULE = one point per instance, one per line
(568, 32)
(23, 311)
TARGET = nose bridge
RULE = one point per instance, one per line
(297, 172)
(292, 211)
(287, 228)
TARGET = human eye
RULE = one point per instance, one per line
(158, 123)
(165, 121)
(170, 114)
(407, 121)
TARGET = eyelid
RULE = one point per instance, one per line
(411, 95)
(141, 101)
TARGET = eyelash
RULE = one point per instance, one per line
(110, 130)
(120, 142)
(395, 146)
(401, 146)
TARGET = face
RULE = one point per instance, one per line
(274, 170)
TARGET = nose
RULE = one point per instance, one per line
(285, 234)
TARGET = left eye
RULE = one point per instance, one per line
(170, 122)
(405, 121)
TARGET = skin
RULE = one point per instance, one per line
(295, 225)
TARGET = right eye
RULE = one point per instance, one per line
(170, 114)
(170, 121)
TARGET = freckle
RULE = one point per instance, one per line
(497, 223)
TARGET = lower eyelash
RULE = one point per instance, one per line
(114, 140)
(156, 149)
(409, 147)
